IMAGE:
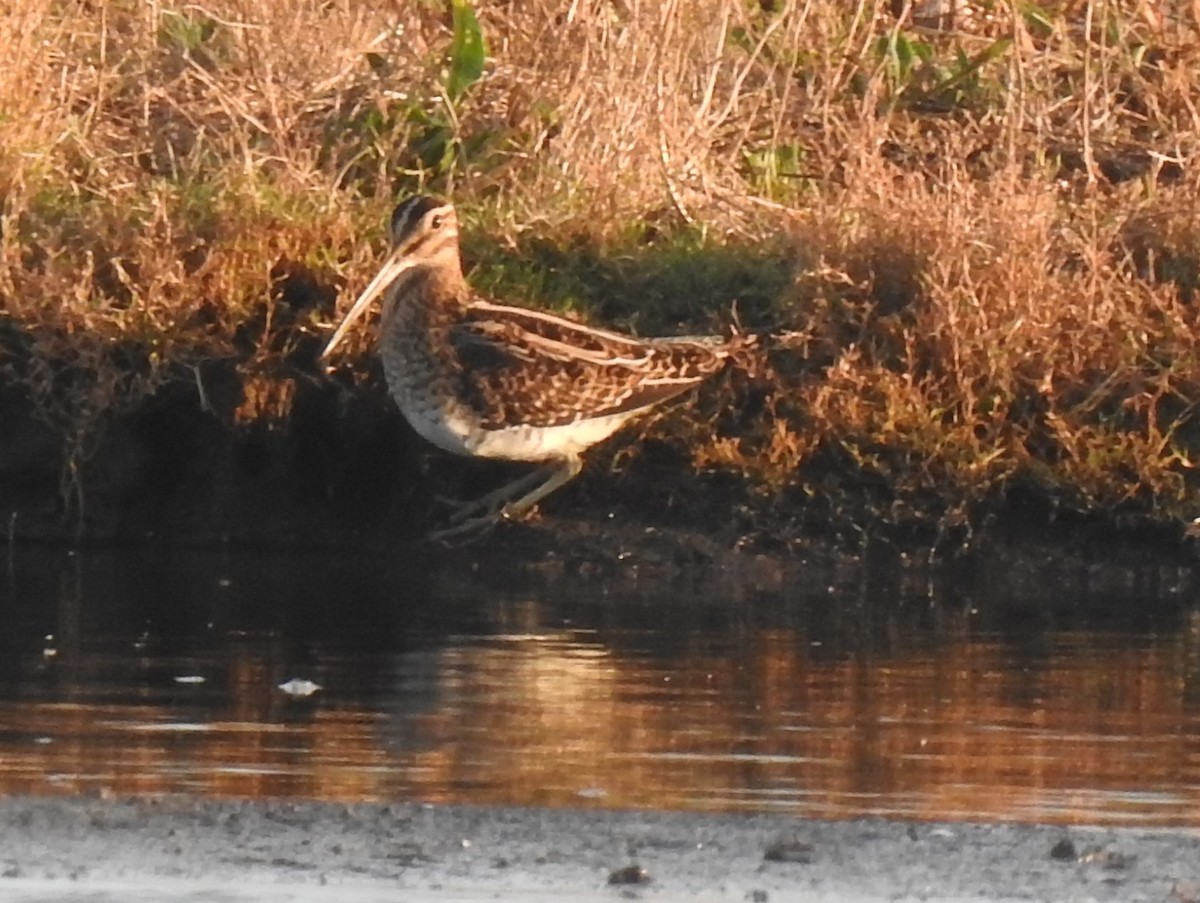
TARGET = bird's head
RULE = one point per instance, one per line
(424, 229)
(424, 232)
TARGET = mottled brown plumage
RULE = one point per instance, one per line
(521, 367)
(487, 380)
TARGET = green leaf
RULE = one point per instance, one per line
(969, 67)
(1037, 19)
(904, 54)
(468, 50)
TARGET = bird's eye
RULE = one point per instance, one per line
(436, 222)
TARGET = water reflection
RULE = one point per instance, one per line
(146, 673)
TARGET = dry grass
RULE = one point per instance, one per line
(987, 221)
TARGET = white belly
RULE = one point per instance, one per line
(457, 432)
(526, 443)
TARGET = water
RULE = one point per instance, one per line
(816, 691)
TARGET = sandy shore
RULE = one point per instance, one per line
(181, 848)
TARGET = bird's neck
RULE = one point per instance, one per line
(427, 286)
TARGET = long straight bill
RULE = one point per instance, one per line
(396, 264)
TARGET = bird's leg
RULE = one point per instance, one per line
(495, 505)
(492, 502)
(565, 471)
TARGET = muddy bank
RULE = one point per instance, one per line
(231, 850)
(343, 469)
(339, 467)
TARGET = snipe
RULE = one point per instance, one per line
(489, 381)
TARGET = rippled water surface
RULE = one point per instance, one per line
(814, 691)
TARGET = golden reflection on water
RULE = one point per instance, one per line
(625, 705)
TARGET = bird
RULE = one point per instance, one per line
(486, 380)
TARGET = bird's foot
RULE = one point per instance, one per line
(497, 503)
(476, 510)
(510, 502)
(453, 504)
(470, 529)
(464, 533)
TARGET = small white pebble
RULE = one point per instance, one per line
(299, 687)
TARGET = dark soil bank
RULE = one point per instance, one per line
(343, 469)
(180, 465)
(340, 465)
(59, 849)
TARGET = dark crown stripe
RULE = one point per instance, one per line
(410, 211)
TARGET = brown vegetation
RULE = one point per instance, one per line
(976, 222)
